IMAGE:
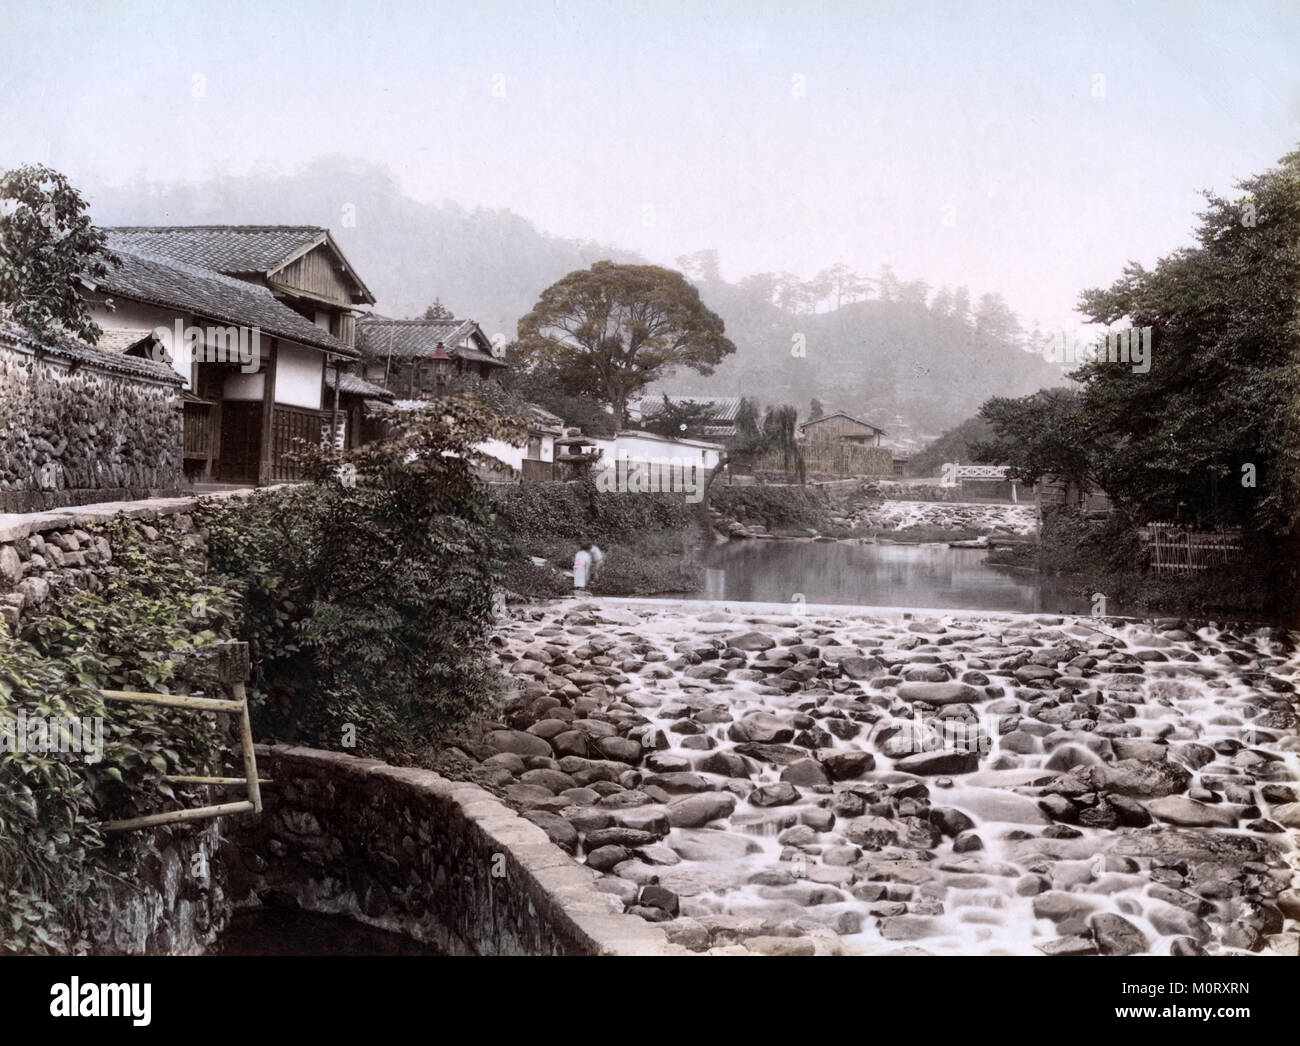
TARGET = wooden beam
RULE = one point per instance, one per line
(266, 456)
(202, 704)
(250, 760)
(194, 780)
(198, 813)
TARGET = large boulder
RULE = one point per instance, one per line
(518, 742)
(751, 641)
(936, 763)
(695, 811)
(1188, 813)
(761, 728)
(940, 693)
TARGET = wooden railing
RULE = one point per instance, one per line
(233, 670)
(1176, 549)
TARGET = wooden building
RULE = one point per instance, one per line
(422, 359)
(252, 318)
(838, 427)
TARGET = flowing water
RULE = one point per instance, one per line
(1135, 790)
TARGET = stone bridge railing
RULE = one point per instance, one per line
(408, 851)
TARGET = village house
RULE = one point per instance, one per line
(421, 359)
(838, 427)
(254, 319)
(720, 416)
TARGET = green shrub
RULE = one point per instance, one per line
(148, 629)
(777, 508)
(370, 590)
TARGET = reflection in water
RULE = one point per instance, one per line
(880, 575)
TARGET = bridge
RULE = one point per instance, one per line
(954, 475)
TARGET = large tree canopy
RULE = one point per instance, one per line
(613, 329)
(47, 245)
(1208, 434)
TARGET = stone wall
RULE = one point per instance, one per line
(176, 905)
(43, 554)
(409, 851)
(78, 426)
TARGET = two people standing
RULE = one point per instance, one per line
(586, 566)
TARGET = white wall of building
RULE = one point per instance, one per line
(131, 315)
(299, 373)
(514, 456)
(643, 446)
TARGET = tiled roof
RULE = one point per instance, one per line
(841, 414)
(120, 339)
(722, 408)
(411, 339)
(351, 385)
(173, 284)
(222, 248)
(236, 250)
(65, 347)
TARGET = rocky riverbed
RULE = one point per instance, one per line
(948, 515)
(963, 785)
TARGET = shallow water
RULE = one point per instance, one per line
(1022, 887)
(855, 573)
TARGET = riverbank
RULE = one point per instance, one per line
(762, 782)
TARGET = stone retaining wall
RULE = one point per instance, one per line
(45, 553)
(408, 851)
(85, 428)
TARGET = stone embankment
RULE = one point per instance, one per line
(871, 784)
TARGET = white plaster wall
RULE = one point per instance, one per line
(298, 376)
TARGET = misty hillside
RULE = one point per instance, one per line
(890, 355)
(486, 265)
(931, 358)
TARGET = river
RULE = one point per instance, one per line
(882, 574)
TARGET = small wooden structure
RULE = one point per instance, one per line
(838, 427)
(1177, 549)
(233, 670)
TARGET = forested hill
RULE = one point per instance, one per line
(930, 356)
(899, 348)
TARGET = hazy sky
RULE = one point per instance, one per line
(1030, 148)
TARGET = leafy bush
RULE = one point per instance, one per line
(546, 513)
(370, 590)
(625, 572)
(776, 508)
(148, 628)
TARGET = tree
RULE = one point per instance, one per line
(749, 433)
(47, 245)
(780, 425)
(842, 283)
(1040, 435)
(1206, 430)
(678, 420)
(815, 409)
(702, 267)
(438, 311)
(613, 329)
(539, 382)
